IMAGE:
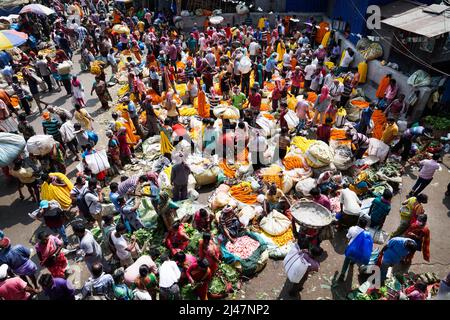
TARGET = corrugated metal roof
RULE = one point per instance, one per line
(422, 23)
(398, 7)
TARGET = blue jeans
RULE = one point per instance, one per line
(301, 125)
(62, 232)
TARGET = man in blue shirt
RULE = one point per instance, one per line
(114, 195)
(271, 66)
(394, 252)
(5, 59)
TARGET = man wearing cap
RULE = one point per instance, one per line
(271, 66)
(51, 127)
(53, 217)
(14, 288)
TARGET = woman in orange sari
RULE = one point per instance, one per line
(125, 121)
(208, 250)
(203, 108)
(384, 83)
(49, 252)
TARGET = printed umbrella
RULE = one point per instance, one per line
(11, 38)
(37, 9)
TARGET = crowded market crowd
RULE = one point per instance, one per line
(258, 110)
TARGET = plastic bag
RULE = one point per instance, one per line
(305, 186)
(245, 65)
(98, 161)
(374, 51)
(220, 200)
(291, 119)
(11, 145)
(246, 215)
(242, 9)
(40, 144)
(378, 149)
(132, 272)
(295, 265)
(64, 67)
(267, 126)
(360, 249)
(419, 79)
(324, 177)
(208, 176)
(275, 223)
(288, 184)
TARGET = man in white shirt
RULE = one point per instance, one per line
(123, 248)
(328, 80)
(350, 207)
(169, 275)
(287, 61)
(253, 49)
(68, 136)
(336, 90)
(309, 71)
(347, 60)
(316, 80)
(211, 58)
(257, 146)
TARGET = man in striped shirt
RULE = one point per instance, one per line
(51, 127)
(360, 141)
(264, 34)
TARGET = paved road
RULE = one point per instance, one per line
(271, 282)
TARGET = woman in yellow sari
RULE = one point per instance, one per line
(57, 186)
(122, 119)
(281, 50)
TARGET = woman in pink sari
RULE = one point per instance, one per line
(78, 92)
(49, 252)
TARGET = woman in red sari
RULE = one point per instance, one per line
(419, 232)
(49, 252)
(208, 250)
(200, 275)
(177, 239)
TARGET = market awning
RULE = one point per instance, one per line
(429, 21)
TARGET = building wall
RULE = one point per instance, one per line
(233, 19)
(376, 72)
(306, 5)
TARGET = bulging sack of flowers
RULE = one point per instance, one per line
(275, 223)
(319, 154)
(305, 186)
